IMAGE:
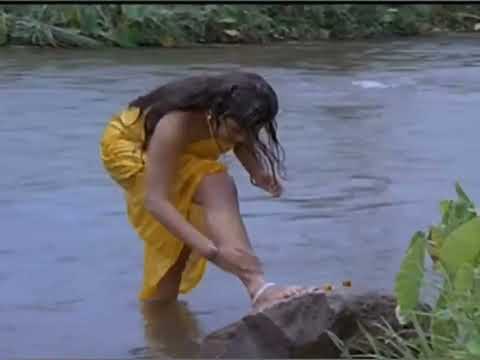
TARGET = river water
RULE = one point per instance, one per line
(376, 133)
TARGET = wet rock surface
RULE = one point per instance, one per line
(301, 327)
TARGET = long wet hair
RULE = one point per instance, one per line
(247, 98)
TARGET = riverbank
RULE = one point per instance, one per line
(134, 25)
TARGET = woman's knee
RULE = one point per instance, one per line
(215, 188)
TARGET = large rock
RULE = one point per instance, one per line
(299, 327)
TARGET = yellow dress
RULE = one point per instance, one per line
(123, 158)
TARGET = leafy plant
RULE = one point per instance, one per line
(452, 330)
(454, 246)
(132, 25)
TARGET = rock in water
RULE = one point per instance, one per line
(299, 327)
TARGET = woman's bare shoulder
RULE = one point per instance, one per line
(178, 128)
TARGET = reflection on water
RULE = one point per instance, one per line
(375, 133)
(171, 330)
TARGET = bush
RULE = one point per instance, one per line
(134, 25)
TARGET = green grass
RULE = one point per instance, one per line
(134, 25)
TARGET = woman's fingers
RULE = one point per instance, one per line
(276, 190)
(268, 184)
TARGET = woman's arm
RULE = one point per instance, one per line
(164, 150)
(166, 145)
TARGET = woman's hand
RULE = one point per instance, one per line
(267, 182)
(258, 175)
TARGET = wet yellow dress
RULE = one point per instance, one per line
(125, 161)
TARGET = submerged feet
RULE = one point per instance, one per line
(270, 294)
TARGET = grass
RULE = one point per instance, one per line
(133, 25)
(450, 332)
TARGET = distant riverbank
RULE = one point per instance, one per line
(133, 25)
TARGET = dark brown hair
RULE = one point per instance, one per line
(245, 97)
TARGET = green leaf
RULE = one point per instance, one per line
(459, 213)
(436, 240)
(227, 20)
(388, 18)
(444, 208)
(48, 35)
(134, 12)
(122, 36)
(409, 279)
(444, 314)
(88, 18)
(461, 246)
(443, 322)
(464, 278)
(71, 37)
(473, 346)
(461, 194)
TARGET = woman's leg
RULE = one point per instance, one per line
(168, 287)
(217, 195)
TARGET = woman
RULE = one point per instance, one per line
(163, 150)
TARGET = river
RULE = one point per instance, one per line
(376, 133)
